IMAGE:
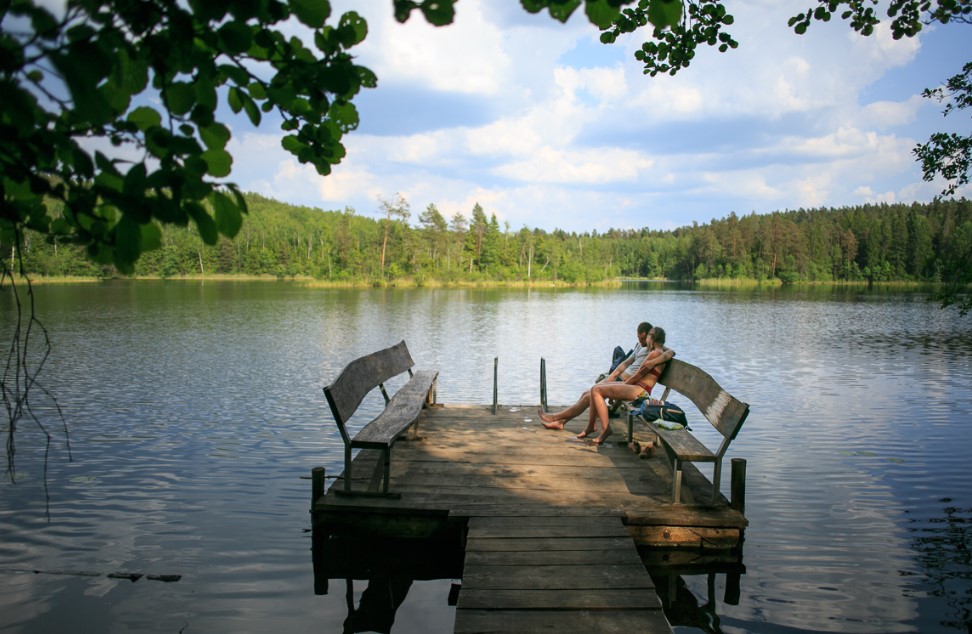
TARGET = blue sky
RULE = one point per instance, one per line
(546, 127)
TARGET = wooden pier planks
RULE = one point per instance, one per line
(469, 462)
(553, 521)
(561, 574)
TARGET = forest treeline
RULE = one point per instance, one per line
(922, 242)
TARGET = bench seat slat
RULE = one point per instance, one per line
(402, 410)
(684, 444)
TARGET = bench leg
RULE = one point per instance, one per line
(347, 468)
(676, 481)
(716, 480)
(386, 455)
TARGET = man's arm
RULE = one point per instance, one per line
(665, 356)
(621, 367)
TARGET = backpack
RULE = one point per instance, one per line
(653, 409)
(618, 356)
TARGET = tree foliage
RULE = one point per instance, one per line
(111, 111)
(921, 242)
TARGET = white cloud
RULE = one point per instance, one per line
(598, 166)
(466, 56)
(572, 135)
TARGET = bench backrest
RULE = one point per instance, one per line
(723, 410)
(362, 375)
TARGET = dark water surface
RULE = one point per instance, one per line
(195, 409)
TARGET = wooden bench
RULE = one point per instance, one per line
(725, 412)
(356, 380)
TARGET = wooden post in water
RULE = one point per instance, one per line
(543, 383)
(738, 495)
(317, 484)
(495, 378)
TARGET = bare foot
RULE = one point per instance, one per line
(604, 436)
(587, 432)
(548, 421)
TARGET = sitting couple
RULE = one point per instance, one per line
(632, 379)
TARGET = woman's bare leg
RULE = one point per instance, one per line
(591, 419)
(557, 420)
(599, 409)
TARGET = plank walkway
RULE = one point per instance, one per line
(577, 574)
(553, 522)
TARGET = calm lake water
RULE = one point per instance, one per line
(195, 410)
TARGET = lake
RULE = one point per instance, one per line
(196, 413)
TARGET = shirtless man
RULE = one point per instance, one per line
(625, 370)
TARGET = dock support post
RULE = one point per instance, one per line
(543, 383)
(731, 596)
(317, 484)
(738, 495)
(495, 378)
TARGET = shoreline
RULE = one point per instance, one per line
(310, 282)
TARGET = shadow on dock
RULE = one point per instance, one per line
(543, 530)
(387, 569)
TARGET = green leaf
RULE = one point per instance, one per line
(257, 90)
(563, 10)
(215, 136)
(205, 91)
(252, 111)
(291, 143)
(77, 66)
(204, 223)
(219, 163)
(135, 180)
(345, 115)
(367, 78)
(602, 13)
(235, 37)
(151, 236)
(179, 97)
(127, 242)
(313, 13)
(438, 12)
(403, 8)
(228, 216)
(235, 73)
(354, 29)
(235, 100)
(665, 13)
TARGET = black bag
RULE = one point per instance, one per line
(653, 409)
(619, 356)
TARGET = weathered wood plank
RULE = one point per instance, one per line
(560, 621)
(578, 576)
(584, 526)
(400, 412)
(586, 599)
(700, 537)
(553, 557)
(364, 374)
(531, 473)
(684, 444)
(537, 544)
(725, 412)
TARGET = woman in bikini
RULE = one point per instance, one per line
(638, 385)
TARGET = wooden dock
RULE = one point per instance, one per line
(550, 526)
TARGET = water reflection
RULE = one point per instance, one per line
(195, 409)
(388, 567)
(943, 553)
